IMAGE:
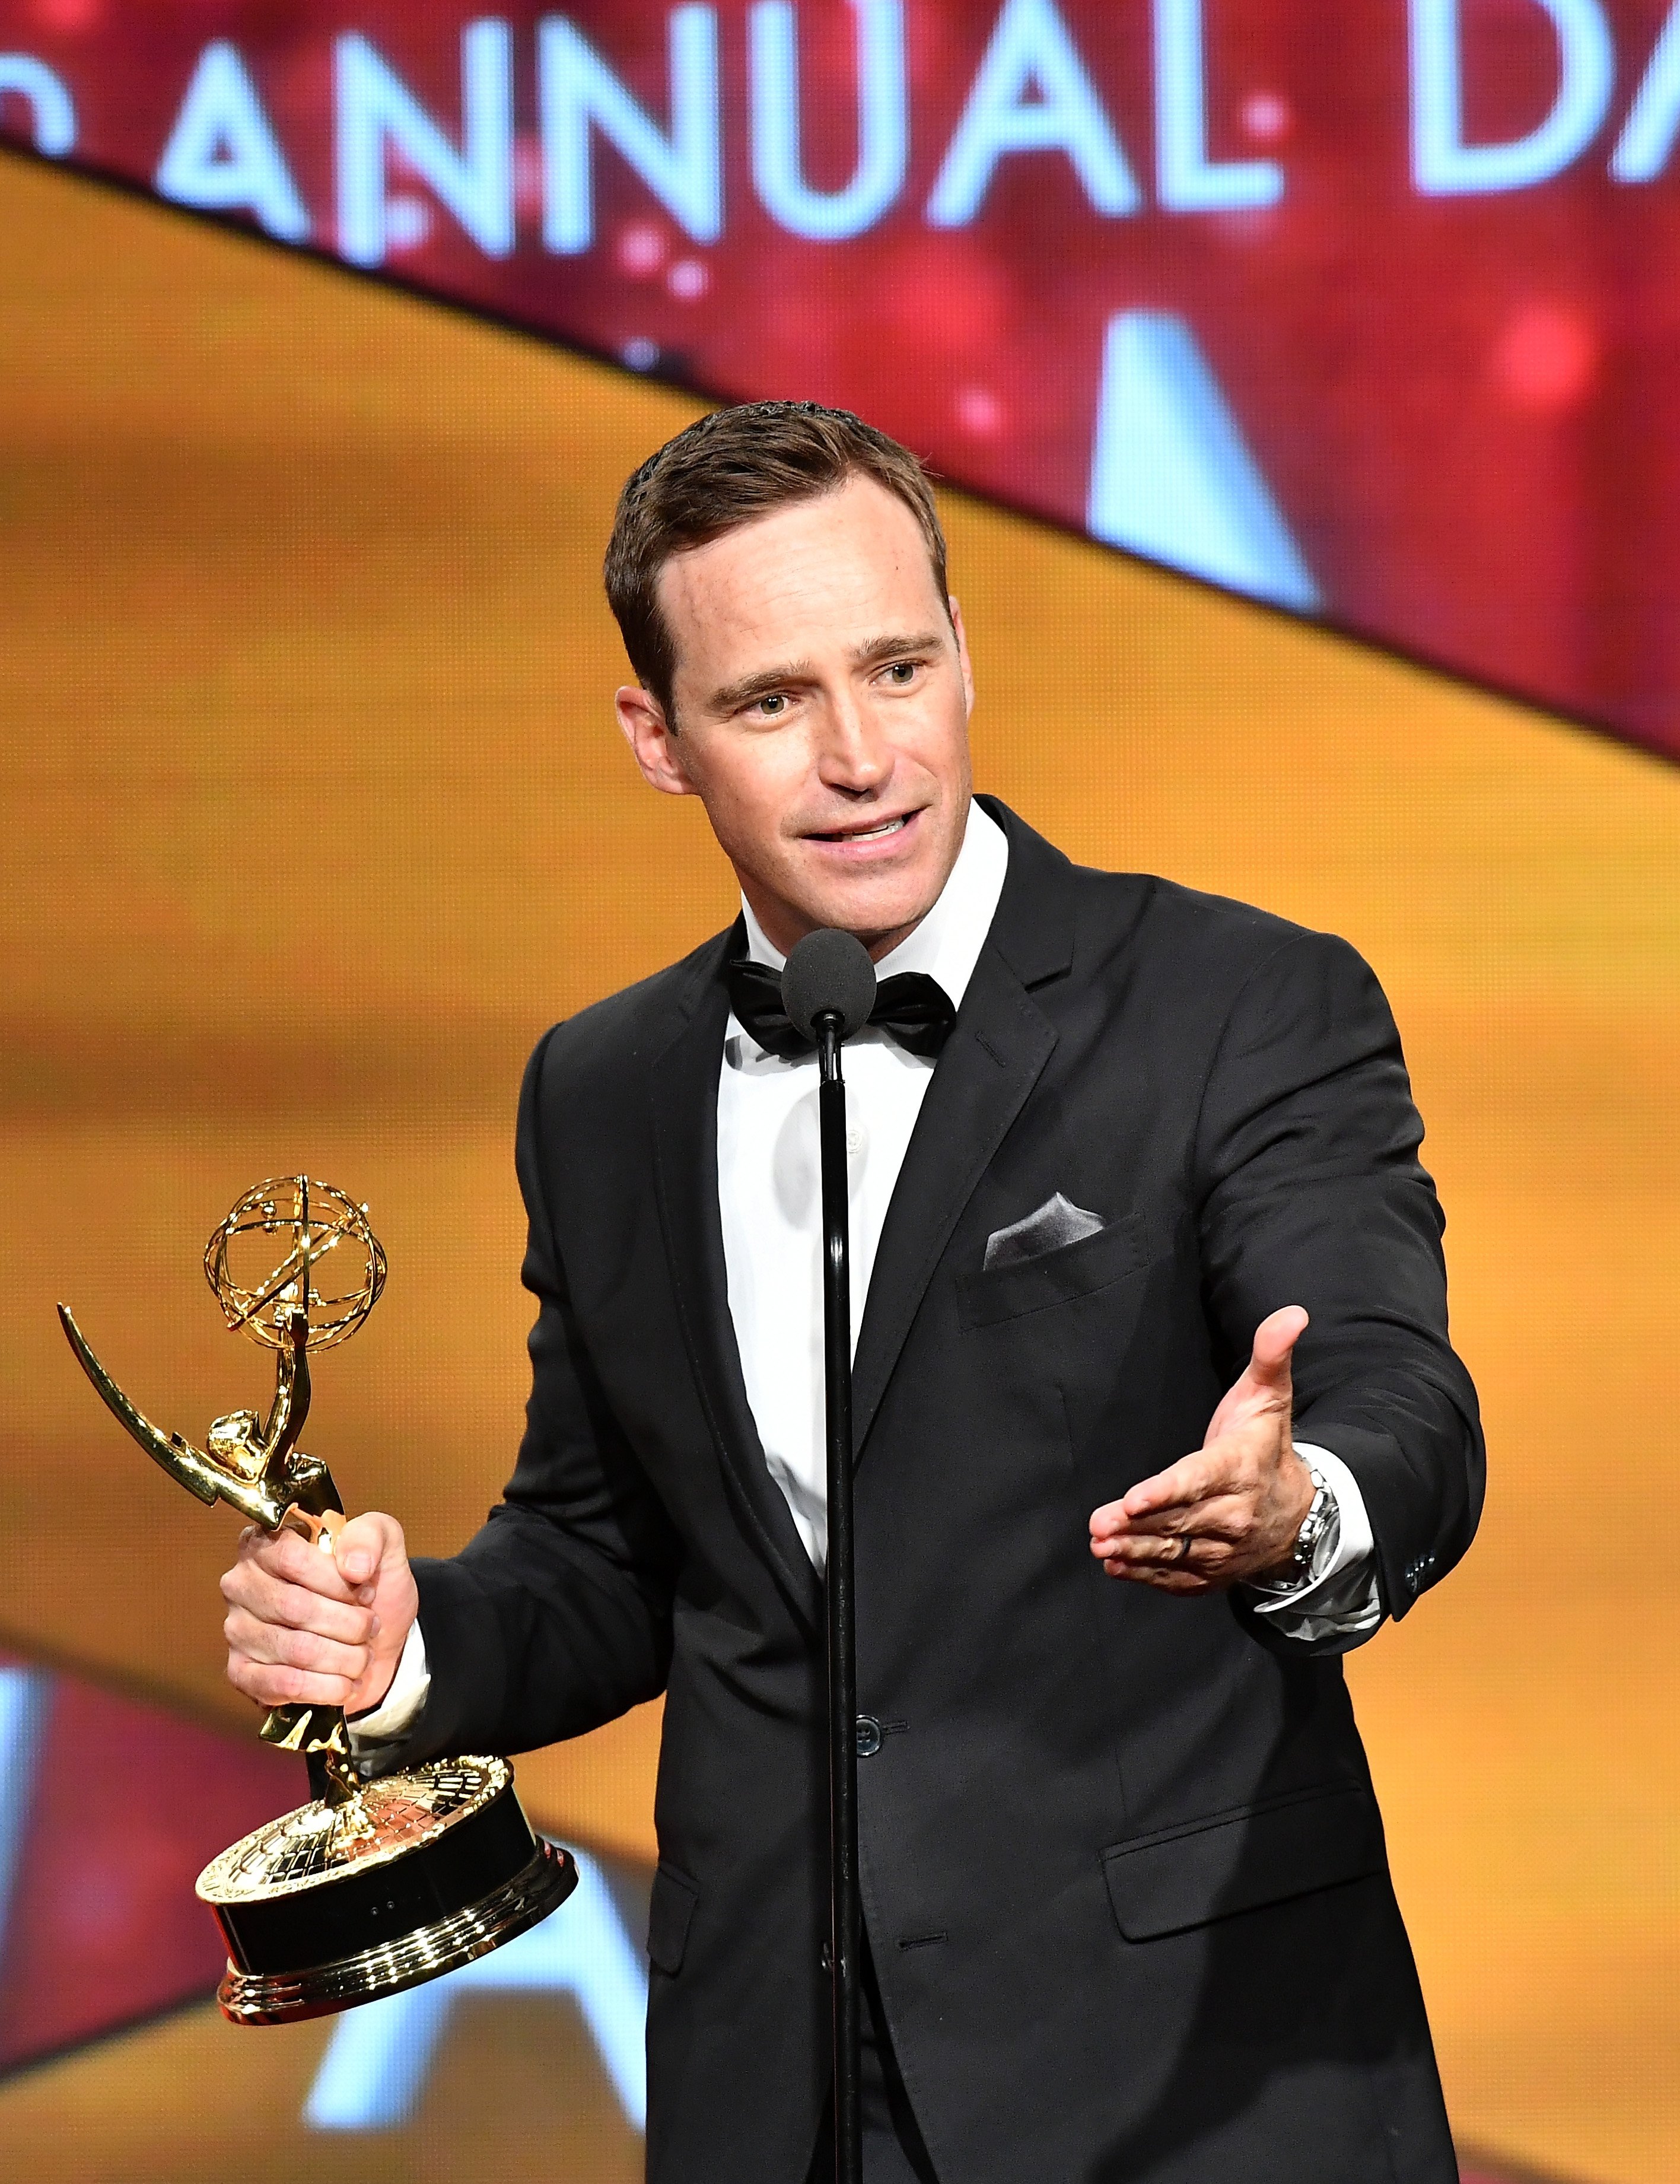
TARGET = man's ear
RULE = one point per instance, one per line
(962, 655)
(656, 747)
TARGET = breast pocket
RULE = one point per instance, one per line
(1077, 1270)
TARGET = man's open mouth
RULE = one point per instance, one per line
(877, 832)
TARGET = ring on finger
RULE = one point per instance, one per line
(1185, 1544)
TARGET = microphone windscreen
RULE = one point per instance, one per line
(828, 973)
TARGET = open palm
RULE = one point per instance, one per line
(1230, 1512)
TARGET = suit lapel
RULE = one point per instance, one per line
(685, 1084)
(996, 1053)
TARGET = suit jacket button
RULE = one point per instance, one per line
(869, 1736)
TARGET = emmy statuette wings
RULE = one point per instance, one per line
(377, 1885)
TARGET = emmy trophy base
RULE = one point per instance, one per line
(416, 1875)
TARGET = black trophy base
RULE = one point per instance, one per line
(417, 1874)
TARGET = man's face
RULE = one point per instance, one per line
(822, 696)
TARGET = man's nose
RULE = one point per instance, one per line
(853, 755)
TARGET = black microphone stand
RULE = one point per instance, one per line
(843, 1669)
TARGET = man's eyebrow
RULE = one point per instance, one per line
(894, 647)
(733, 695)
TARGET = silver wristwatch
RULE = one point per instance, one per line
(1314, 1525)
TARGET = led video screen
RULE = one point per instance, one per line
(1383, 292)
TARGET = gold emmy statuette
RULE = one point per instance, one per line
(378, 1885)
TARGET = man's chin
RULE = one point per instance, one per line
(873, 912)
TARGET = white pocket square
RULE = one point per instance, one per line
(1056, 1223)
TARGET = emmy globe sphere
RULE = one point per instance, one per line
(294, 1241)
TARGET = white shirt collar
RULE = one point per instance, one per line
(947, 942)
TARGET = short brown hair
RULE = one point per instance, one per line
(728, 469)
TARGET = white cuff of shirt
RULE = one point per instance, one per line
(1337, 1599)
(398, 1711)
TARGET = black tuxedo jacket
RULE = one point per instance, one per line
(1122, 1869)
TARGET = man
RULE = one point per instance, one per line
(1128, 1915)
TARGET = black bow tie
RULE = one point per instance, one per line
(915, 1008)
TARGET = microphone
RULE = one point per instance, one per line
(828, 974)
(828, 991)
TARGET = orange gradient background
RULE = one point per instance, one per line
(316, 816)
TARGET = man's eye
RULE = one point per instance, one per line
(773, 705)
(902, 672)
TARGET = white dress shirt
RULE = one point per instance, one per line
(770, 1199)
(769, 1187)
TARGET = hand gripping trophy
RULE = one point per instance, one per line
(378, 1885)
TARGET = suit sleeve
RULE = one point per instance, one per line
(557, 1616)
(1311, 1193)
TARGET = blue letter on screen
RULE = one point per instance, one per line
(1171, 474)
(883, 137)
(374, 107)
(373, 2074)
(1649, 137)
(1189, 180)
(576, 91)
(50, 101)
(1443, 164)
(1030, 47)
(222, 155)
(26, 1694)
